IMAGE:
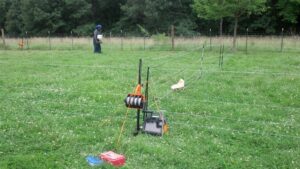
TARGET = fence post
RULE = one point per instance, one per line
(110, 40)
(202, 58)
(281, 46)
(210, 39)
(247, 40)
(144, 42)
(3, 37)
(220, 55)
(121, 39)
(27, 43)
(72, 39)
(49, 40)
(172, 34)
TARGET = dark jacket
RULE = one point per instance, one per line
(96, 33)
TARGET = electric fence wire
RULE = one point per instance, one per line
(212, 127)
(234, 120)
(74, 114)
(266, 105)
(60, 90)
(160, 98)
(201, 71)
(182, 70)
(109, 106)
(170, 57)
(175, 125)
(192, 77)
(198, 100)
(131, 67)
(210, 71)
(69, 103)
(102, 121)
(127, 67)
(273, 73)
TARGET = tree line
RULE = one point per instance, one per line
(147, 17)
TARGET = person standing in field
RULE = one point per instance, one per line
(97, 40)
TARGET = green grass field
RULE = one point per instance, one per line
(57, 107)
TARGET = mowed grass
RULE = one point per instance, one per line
(57, 107)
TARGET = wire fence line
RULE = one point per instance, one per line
(212, 127)
(197, 100)
(60, 90)
(170, 91)
(69, 42)
(238, 120)
(234, 71)
(175, 125)
(64, 103)
(171, 69)
(122, 78)
(267, 105)
(169, 76)
(254, 72)
(208, 127)
(170, 56)
(175, 56)
(112, 109)
(158, 68)
(120, 117)
(130, 67)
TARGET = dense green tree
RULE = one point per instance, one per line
(266, 22)
(41, 16)
(231, 8)
(272, 20)
(238, 8)
(76, 15)
(3, 11)
(212, 10)
(13, 18)
(148, 16)
(106, 12)
(133, 15)
(157, 16)
(289, 10)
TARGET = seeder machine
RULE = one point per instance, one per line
(153, 122)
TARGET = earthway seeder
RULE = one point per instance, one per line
(153, 122)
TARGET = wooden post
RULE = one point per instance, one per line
(247, 40)
(110, 40)
(49, 42)
(144, 42)
(202, 58)
(72, 39)
(281, 46)
(222, 59)
(220, 55)
(121, 39)
(27, 43)
(210, 38)
(3, 37)
(21, 44)
(172, 34)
